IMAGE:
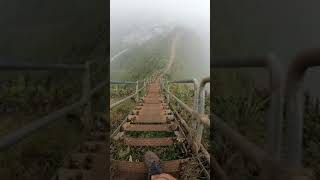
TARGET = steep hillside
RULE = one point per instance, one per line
(192, 57)
(141, 61)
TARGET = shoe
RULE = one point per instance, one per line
(152, 162)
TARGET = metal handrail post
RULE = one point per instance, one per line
(137, 93)
(168, 95)
(201, 107)
(195, 83)
(145, 86)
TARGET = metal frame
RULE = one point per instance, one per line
(201, 107)
(136, 94)
(126, 98)
(194, 133)
(198, 101)
(200, 117)
(196, 94)
(197, 111)
(121, 82)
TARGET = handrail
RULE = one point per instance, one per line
(122, 82)
(201, 107)
(200, 117)
(125, 99)
(189, 134)
(196, 93)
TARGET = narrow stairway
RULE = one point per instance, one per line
(150, 126)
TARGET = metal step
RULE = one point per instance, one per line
(146, 127)
(139, 167)
(152, 142)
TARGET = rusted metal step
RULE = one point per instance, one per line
(152, 142)
(147, 119)
(146, 127)
(150, 121)
(152, 101)
(139, 167)
(151, 115)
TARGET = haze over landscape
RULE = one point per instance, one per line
(133, 23)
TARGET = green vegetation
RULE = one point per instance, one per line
(123, 152)
(141, 61)
(245, 112)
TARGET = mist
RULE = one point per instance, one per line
(141, 16)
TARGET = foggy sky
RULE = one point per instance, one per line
(183, 11)
(125, 14)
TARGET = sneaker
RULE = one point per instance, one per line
(152, 162)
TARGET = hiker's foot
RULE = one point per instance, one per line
(152, 161)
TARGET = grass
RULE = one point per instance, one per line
(168, 153)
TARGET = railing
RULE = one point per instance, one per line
(194, 134)
(284, 86)
(197, 111)
(87, 92)
(145, 82)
